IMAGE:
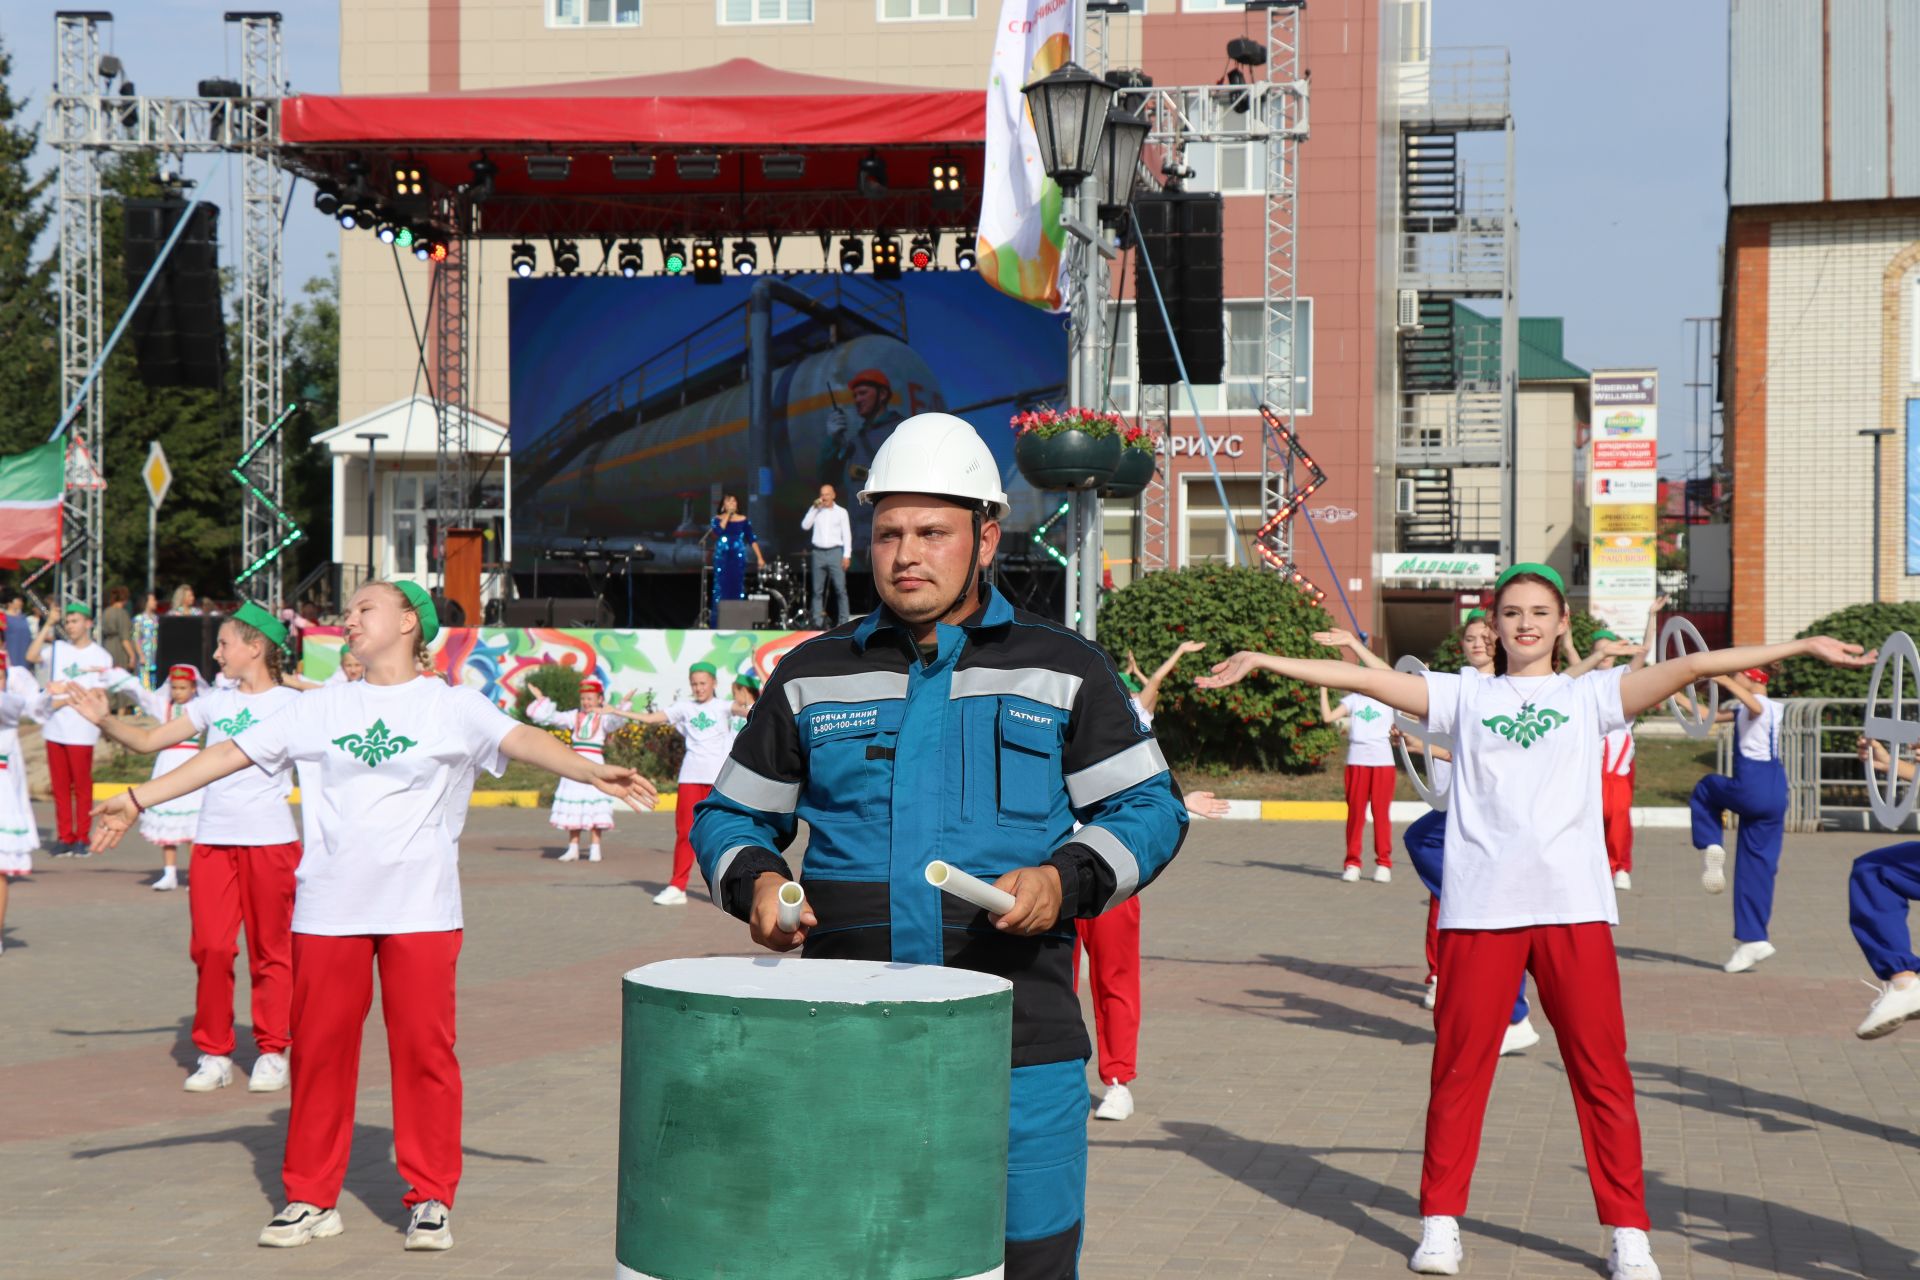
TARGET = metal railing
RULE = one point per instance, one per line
(1463, 428)
(1826, 787)
(1466, 88)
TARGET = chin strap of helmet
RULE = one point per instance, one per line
(973, 569)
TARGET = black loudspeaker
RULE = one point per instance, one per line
(742, 615)
(557, 611)
(179, 332)
(188, 641)
(1180, 244)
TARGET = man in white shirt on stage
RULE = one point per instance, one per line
(832, 553)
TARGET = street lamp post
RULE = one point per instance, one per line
(1877, 434)
(371, 437)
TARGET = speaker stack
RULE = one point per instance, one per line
(1180, 246)
(188, 641)
(179, 334)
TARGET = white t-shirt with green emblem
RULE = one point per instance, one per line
(386, 771)
(248, 807)
(708, 728)
(1367, 725)
(1525, 843)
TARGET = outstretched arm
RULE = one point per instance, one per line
(113, 817)
(1339, 638)
(1650, 686)
(1399, 690)
(1416, 743)
(1651, 636)
(1607, 649)
(1748, 700)
(1692, 708)
(544, 751)
(1149, 694)
(1876, 755)
(93, 704)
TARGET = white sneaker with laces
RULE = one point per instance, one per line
(1747, 955)
(1894, 1006)
(1433, 993)
(431, 1226)
(1116, 1105)
(214, 1072)
(169, 879)
(1520, 1036)
(1621, 880)
(593, 854)
(1631, 1257)
(1439, 1253)
(269, 1073)
(1713, 875)
(1383, 875)
(572, 854)
(298, 1223)
(1350, 875)
(670, 897)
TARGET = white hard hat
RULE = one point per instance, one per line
(938, 454)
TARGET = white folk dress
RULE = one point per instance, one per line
(19, 830)
(176, 821)
(579, 806)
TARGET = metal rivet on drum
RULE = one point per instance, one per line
(813, 1013)
(683, 1006)
(886, 1013)
(735, 1011)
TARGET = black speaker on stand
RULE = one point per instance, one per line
(188, 641)
(179, 333)
(1181, 234)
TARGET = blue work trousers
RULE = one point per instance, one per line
(1882, 884)
(1757, 791)
(1046, 1170)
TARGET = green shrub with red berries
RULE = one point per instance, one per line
(1264, 722)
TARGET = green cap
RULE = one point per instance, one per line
(423, 605)
(1603, 634)
(1476, 615)
(703, 666)
(80, 607)
(1132, 684)
(1546, 571)
(748, 680)
(263, 622)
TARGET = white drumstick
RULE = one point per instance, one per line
(969, 888)
(793, 899)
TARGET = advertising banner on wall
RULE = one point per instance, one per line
(1623, 475)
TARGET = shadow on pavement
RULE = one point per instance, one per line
(184, 1053)
(1328, 1015)
(1773, 1112)
(1771, 1237)
(1649, 956)
(1296, 868)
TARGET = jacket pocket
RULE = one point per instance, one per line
(850, 755)
(1028, 751)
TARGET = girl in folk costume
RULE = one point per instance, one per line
(388, 767)
(20, 698)
(1617, 752)
(1370, 775)
(1527, 887)
(1757, 792)
(174, 824)
(245, 850)
(707, 725)
(579, 806)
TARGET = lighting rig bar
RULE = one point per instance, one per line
(292, 532)
(1287, 445)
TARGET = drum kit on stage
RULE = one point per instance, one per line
(780, 584)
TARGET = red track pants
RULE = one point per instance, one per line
(1112, 941)
(1579, 986)
(232, 885)
(1433, 936)
(1370, 786)
(1616, 812)
(332, 991)
(686, 797)
(72, 776)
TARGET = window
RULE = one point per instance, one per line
(1240, 393)
(1213, 6)
(736, 12)
(593, 13)
(1231, 168)
(1203, 526)
(1119, 541)
(908, 10)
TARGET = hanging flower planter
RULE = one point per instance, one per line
(1067, 448)
(1135, 471)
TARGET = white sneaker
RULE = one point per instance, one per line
(1894, 1006)
(572, 854)
(1713, 877)
(1621, 880)
(1350, 875)
(212, 1073)
(670, 897)
(1117, 1105)
(593, 854)
(1432, 997)
(1747, 955)
(169, 879)
(1631, 1257)
(1383, 875)
(1439, 1253)
(431, 1226)
(298, 1223)
(1520, 1036)
(269, 1073)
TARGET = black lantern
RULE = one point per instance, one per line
(1119, 161)
(1069, 110)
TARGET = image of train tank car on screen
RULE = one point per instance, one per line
(637, 403)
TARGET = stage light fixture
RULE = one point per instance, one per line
(404, 236)
(783, 166)
(549, 168)
(437, 250)
(349, 215)
(852, 253)
(706, 261)
(632, 168)
(566, 257)
(523, 260)
(920, 255)
(674, 254)
(631, 259)
(326, 200)
(948, 184)
(386, 233)
(746, 258)
(407, 181)
(965, 257)
(422, 248)
(873, 175)
(886, 257)
(482, 170)
(700, 167)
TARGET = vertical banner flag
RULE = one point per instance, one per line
(1623, 554)
(31, 486)
(1021, 243)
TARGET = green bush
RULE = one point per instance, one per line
(654, 749)
(562, 684)
(1450, 657)
(1264, 722)
(1862, 624)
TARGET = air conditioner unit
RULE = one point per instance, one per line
(1403, 497)
(1409, 309)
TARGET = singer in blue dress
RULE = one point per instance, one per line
(732, 536)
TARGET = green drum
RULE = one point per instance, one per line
(812, 1119)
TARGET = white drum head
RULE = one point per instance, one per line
(816, 981)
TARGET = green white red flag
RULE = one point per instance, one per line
(32, 485)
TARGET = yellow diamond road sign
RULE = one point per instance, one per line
(157, 473)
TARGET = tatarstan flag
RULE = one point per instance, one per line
(31, 486)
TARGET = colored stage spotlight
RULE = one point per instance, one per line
(422, 247)
(746, 258)
(566, 257)
(706, 262)
(920, 254)
(404, 236)
(886, 258)
(852, 253)
(437, 250)
(406, 182)
(523, 260)
(630, 259)
(349, 215)
(674, 254)
(386, 233)
(964, 255)
(327, 201)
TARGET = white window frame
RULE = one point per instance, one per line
(1205, 159)
(1213, 400)
(880, 11)
(1203, 479)
(1212, 6)
(720, 14)
(557, 23)
(1913, 327)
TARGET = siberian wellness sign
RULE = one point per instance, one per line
(1623, 472)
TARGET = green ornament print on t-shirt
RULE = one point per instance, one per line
(1366, 713)
(374, 747)
(1527, 728)
(703, 721)
(234, 726)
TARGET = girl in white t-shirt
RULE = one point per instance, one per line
(171, 825)
(20, 698)
(1369, 779)
(707, 725)
(579, 806)
(1527, 887)
(387, 765)
(1757, 792)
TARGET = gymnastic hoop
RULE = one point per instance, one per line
(1892, 803)
(1422, 785)
(1677, 639)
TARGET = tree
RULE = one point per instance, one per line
(313, 379)
(1867, 625)
(29, 307)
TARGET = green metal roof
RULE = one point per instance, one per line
(1477, 339)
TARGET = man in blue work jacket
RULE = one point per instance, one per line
(950, 725)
